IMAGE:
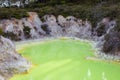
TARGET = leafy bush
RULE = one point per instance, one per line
(68, 7)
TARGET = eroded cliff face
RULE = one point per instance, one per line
(32, 27)
(10, 61)
(15, 28)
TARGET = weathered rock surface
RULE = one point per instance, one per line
(10, 61)
(32, 27)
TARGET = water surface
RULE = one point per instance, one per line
(65, 60)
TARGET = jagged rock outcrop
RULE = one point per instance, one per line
(112, 43)
(108, 37)
(34, 23)
(56, 30)
(10, 61)
(52, 26)
(32, 27)
(69, 26)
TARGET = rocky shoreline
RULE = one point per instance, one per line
(32, 27)
(98, 54)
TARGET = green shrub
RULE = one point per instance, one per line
(94, 13)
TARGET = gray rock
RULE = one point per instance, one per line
(1, 78)
(10, 61)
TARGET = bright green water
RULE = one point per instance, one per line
(66, 60)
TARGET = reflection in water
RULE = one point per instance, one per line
(88, 73)
(103, 76)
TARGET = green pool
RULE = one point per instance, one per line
(65, 60)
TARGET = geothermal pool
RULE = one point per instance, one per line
(65, 60)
